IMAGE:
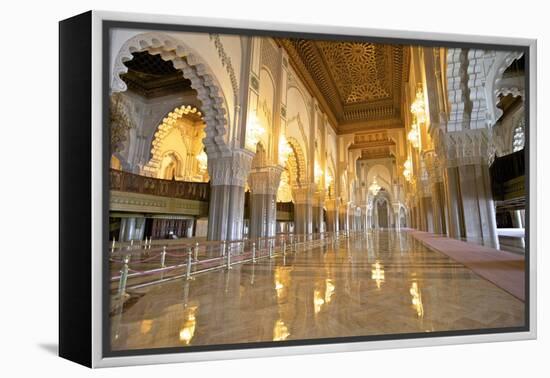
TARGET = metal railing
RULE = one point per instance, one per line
(137, 265)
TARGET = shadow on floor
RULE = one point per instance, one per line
(50, 348)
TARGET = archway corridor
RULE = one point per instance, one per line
(278, 189)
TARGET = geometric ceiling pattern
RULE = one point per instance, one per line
(358, 82)
(360, 70)
(151, 76)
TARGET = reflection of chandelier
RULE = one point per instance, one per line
(202, 158)
(414, 135)
(374, 187)
(417, 299)
(377, 274)
(418, 107)
(407, 169)
(284, 149)
(254, 132)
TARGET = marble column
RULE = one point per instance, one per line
(478, 205)
(226, 206)
(317, 212)
(427, 213)
(264, 183)
(453, 200)
(332, 215)
(342, 217)
(438, 208)
(303, 196)
(516, 219)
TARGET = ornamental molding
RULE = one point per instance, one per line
(226, 62)
(194, 68)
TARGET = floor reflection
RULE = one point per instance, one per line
(380, 283)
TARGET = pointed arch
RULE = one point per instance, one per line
(194, 68)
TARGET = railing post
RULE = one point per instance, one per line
(284, 246)
(228, 251)
(113, 245)
(270, 241)
(253, 253)
(196, 251)
(189, 261)
(123, 277)
(223, 248)
(163, 257)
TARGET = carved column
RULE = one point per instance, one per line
(303, 196)
(263, 202)
(317, 212)
(332, 215)
(342, 217)
(467, 151)
(226, 207)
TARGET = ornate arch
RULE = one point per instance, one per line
(195, 69)
(167, 125)
(297, 163)
(497, 64)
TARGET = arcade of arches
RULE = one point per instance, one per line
(224, 137)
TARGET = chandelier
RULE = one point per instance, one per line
(284, 149)
(202, 159)
(407, 169)
(317, 172)
(254, 132)
(418, 107)
(374, 188)
(414, 135)
(328, 180)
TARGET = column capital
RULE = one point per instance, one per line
(303, 194)
(466, 147)
(265, 180)
(230, 170)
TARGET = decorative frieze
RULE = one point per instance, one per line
(226, 62)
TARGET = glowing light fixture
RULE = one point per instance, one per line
(414, 135)
(418, 107)
(328, 180)
(284, 149)
(317, 172)
(202, 159)
(374, 188)
(254, 132)
(407, 169)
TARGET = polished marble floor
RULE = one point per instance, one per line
(380, 283)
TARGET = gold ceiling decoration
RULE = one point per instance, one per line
(361, 71)
(373, 144)
(358, 84)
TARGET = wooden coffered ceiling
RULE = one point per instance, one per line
(358, 84)
(373, 144)
(151, 76)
